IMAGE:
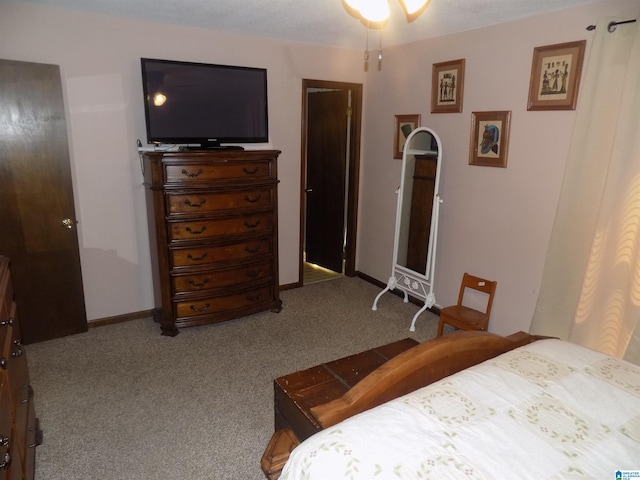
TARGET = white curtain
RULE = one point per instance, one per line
(590, 292)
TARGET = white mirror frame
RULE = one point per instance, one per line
(416, 284)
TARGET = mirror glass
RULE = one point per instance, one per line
(419, 188)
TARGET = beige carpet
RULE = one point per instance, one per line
(123, 402)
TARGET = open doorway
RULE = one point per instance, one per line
(331, 124)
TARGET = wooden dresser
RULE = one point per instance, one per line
(214, 235)
(19, 429)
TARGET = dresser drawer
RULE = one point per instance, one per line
(10, 446)
(200, 256)
(221, 227)
(195, 282)
(24, 418)
(223, 303)
(206, 171)
(178, 203)
(6, 293)
(33, 438)
(16, 359)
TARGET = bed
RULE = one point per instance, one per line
(548, 409)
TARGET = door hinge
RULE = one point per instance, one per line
(349, 112)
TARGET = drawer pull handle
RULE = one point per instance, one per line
(191, 175)
(253, 199)
(7, 322)
(17, 353)
(195, 232)
(250, 172)
(200, 309)
(3, 363)
(7, 461)
(4, 441)
(251, 225)
(197, 259)
(252, 273)
(193, 283)
(194, 205)
(252, 250)
(254, 298)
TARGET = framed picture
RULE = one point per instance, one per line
(489, 138)
(555, 76)
(447, 86)
(404, 125)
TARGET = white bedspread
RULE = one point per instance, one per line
(549, 410)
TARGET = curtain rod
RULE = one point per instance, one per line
(612, 25)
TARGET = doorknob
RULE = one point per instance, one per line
(67, 222)
(308, 190)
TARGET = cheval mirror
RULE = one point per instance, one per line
(416, 235)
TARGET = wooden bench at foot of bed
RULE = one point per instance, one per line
(297, 393)
(319, 397)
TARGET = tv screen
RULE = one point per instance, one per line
(205, 104)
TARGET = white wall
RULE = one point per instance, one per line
(99, 58)
(494, 222)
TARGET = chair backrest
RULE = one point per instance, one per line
(480, 284)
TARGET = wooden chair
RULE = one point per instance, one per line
(466, 318)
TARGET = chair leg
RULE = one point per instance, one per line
(440, 328)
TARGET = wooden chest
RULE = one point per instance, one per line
(214, 234)
(295, 394)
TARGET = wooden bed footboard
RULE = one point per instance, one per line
(418, 367)
(415, 368)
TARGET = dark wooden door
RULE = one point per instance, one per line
(37, 214)
(327, 134)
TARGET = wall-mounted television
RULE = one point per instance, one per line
(204, 104)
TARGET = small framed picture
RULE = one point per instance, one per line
(489, 138)
(404, 125)
(447, 86)
(555, 76)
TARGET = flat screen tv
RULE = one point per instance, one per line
(204, 104)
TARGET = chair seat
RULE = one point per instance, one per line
(464, 317)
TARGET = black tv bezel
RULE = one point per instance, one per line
(204, 142)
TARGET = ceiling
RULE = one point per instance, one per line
(324, 22)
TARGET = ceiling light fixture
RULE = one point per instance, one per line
(376, 13)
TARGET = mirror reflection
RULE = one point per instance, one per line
(418, 196)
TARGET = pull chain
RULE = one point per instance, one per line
(366, 51)
(380, 52)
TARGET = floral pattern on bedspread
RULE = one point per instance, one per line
(548, 410)
(558, 425)
(450, 406)
(535, 367)
(624, 376)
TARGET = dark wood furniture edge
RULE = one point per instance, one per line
(415, 368)
(277, 453)
(419, 366)
(297, 392)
